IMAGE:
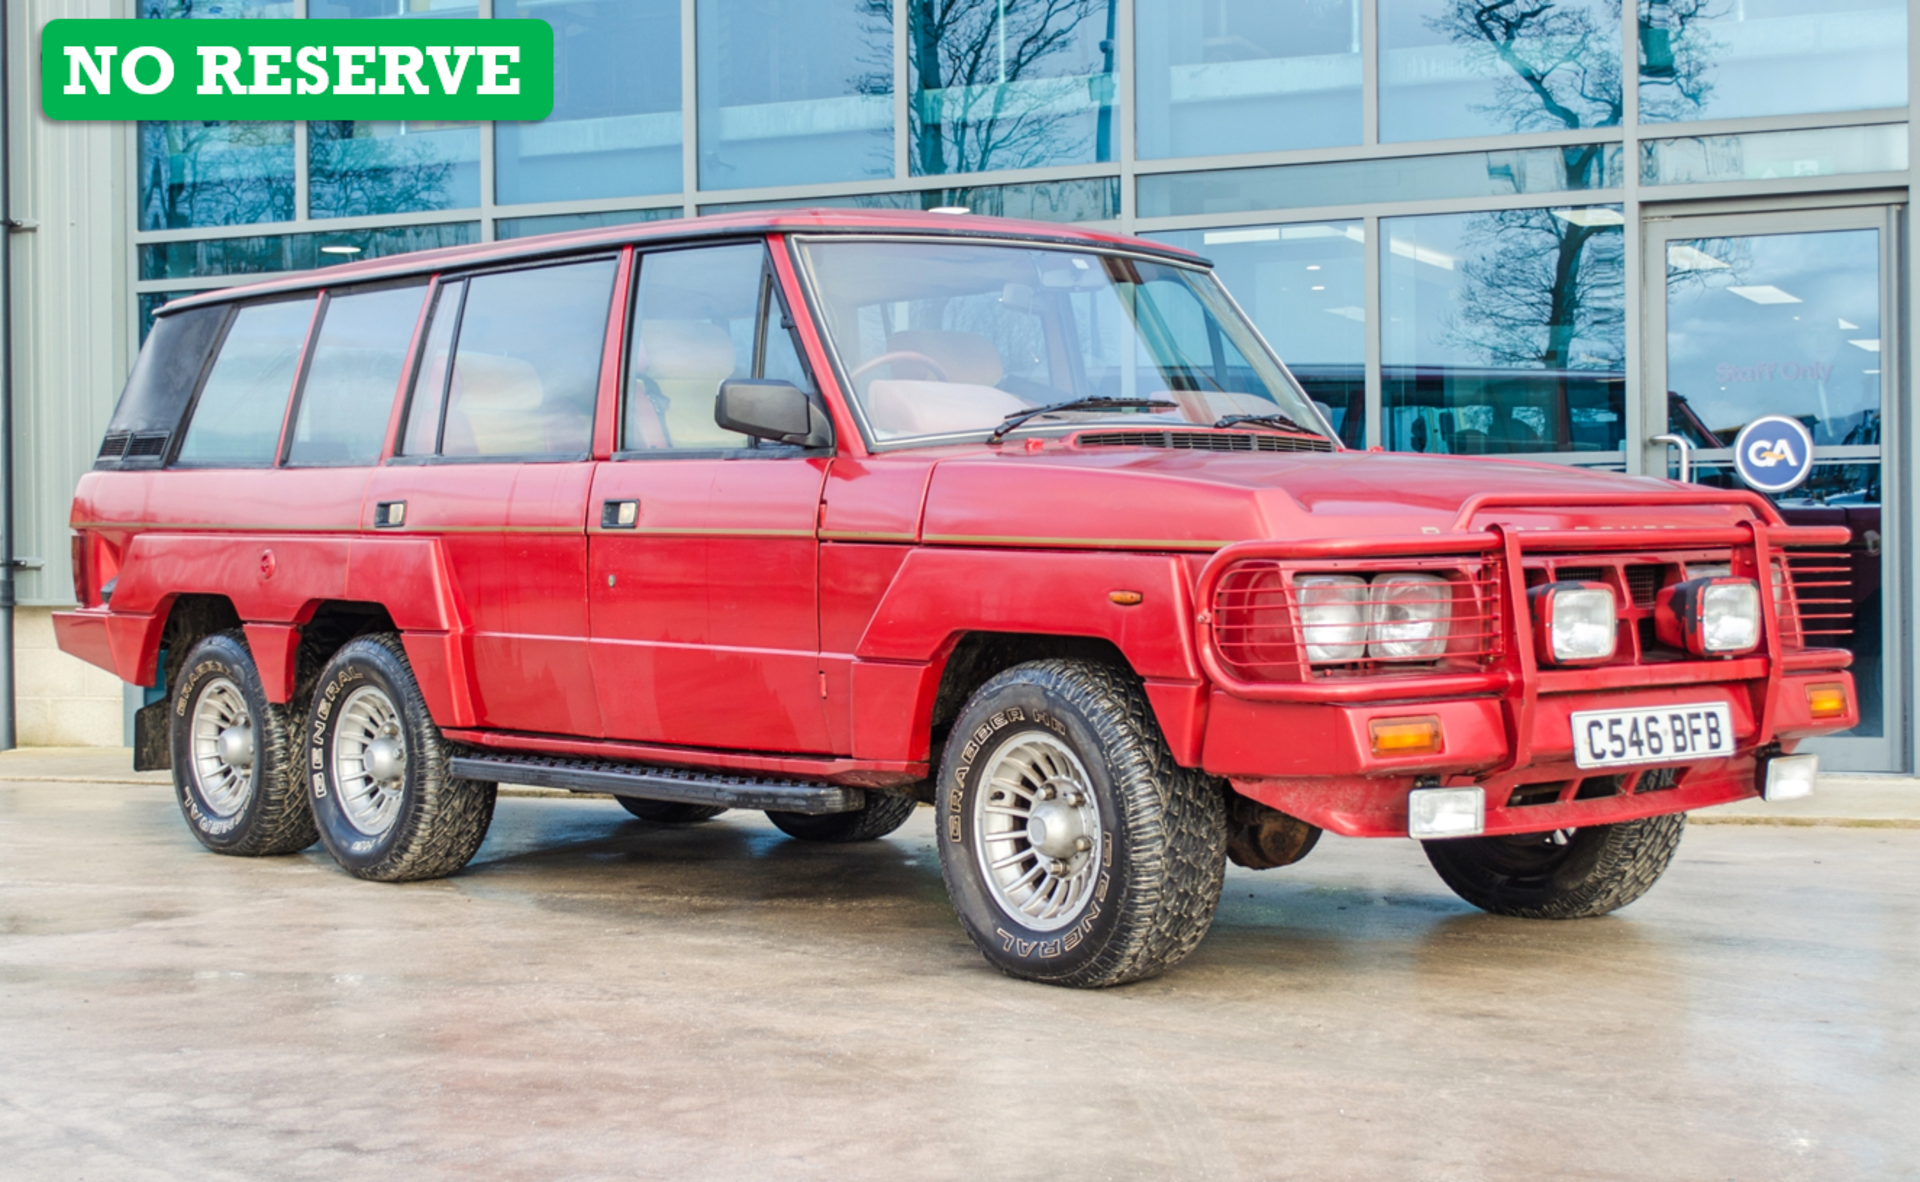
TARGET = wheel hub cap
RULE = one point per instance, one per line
(386, 759)
(236, 745)
(1037, 835)
(369, 760)
(222, 754)
(1057, 829)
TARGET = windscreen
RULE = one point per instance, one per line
(942, 338)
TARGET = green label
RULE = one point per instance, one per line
(297, 69)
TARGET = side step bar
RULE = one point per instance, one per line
(659, 783)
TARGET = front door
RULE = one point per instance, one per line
(1793, 314)
(703, 552)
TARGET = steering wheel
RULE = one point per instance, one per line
(899, 355)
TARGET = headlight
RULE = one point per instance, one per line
(1333, 617)
(1574, 623)
(1410, 615)
(1710, 617)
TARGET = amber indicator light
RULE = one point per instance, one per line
(1827, 701)
(1405, 736)
(1125, 598)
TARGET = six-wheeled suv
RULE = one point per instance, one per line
(831, 513)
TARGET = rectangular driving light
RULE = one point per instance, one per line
(1406, 736)
(1790, 777)
(1828, 700)
(1716, 616)
(1446, 812)
(1574, 623)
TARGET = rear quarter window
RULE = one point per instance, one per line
(160, 386)
(358, 358)
(236, 420)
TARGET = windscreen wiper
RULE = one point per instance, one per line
(1273, 420)
(1098, 403)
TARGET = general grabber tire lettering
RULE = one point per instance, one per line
(385, 804)
(235, 772)
(1563, 874)
(1076, 851)
(669, 812)
(882, 814)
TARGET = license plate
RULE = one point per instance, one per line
(1614, 738)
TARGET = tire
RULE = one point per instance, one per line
(669, 812)
(882, 814)
(1129, 871)
(1534, 876)
(234, 771)
(385, 806)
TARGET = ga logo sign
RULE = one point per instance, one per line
(1773, 453)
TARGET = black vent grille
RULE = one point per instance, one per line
(1244, 441)
(1579, 574)
(1643, 583)
(140, 448)
(114, 445)
(148, 445)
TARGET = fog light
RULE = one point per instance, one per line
(1446, 812)
(1575, 623)
(1406, 736)
(1827, 701)
(1789, 777)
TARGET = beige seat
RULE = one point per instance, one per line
(494, 407)
(686, 360)
(965, 357)
(961, 397)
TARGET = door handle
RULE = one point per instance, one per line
(619, 514)
(389, 514)
(1686, 454)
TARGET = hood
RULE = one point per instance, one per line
(1156, 499)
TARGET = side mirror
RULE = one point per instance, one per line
(777, 411)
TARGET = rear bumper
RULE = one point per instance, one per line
(122, 643)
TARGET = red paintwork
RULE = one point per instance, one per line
(794, 617)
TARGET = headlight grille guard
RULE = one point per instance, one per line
(1494, 557)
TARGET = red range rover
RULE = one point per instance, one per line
(830, 513)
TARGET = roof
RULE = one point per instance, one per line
(838, 221)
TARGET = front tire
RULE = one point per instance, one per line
(1076, 851)
(1562, 874)
(882, 814)
(234, 773)
(386, 807)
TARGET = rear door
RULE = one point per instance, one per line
(703, 551)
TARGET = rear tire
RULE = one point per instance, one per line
(882, 814)
(1538, 876)
(386, 807)
(234, 774)
(669, 812)
(1076, 851)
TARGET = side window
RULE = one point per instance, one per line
(526, 363)
(422, 436)
(236, 422)
(694, 320)
(357, 361)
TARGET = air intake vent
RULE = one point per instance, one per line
(1643, 582)
(1246, 441)
(113, 446)
(148, 445)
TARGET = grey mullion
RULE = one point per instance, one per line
(689, 108)
(1125, 106)
(1634, 413)
(902, 124)
(486, 131)
(1369, 72)
(1374, 301)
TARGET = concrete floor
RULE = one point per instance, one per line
(600, 998)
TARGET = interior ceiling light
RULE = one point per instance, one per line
(1848, 324)
(1872, 345)
(1765, 293)
(1681, 257)
(1597, 216)
(1351, 233)
(1227, 237)
(1421, 254)
(339, 250)
(949, 209)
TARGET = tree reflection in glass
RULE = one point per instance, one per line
(1454, 68)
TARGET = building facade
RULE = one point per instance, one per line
(1558, 231)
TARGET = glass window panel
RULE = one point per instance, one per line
(561, 222)
(526, 367)
(1005, 85)
(197, 173)
(1826, 151)
(269, 253)
(1504, 331)
(357, 360)
(1223, 76)
(1094, 199)
(693, 329)
(615, 126)
(1730, 59)
(422, 436)
(361, 167)
(1451, 68)
(1304, 286)
(794, 94)
(236, 420)
(1358, 182)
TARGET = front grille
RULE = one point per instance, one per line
(1260, 634)
(1242, 441)
(1644, 581)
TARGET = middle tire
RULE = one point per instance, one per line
(1076, 851)
(386, 807)
(882, 814)
(669, 812)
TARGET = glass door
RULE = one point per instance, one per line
(1792, 314)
